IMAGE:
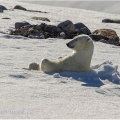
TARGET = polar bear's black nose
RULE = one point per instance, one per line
(67, 44)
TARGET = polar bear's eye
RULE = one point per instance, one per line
(88, 39)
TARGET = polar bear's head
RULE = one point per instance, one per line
(81, 42)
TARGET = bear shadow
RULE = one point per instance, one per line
(96, 77)
(88, 78)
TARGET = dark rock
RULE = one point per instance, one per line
(79, 25)
(67, 26)
(20, 7)
(21, 24)
(104, 41)
(1, 11)
(6, 18)
(41, 18)
(113, 42)
(70, 35)
(110, 21)
(97, 37)
(38, 27)
(110, 41)
(36, 11)
(82, 29)
(2, 8)
(51, 29)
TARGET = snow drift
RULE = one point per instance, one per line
(34, 94)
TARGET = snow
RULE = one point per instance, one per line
(35, 94)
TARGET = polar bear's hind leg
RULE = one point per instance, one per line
(48, 66)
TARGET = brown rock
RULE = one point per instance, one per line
(20, 7)
(108, 33)
(23, 31)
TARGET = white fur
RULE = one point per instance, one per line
(78, 61)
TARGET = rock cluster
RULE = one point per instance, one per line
(64, 30)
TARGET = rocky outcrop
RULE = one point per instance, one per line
(41, 18)
(111, 21)
(64, 30)
(21, 24)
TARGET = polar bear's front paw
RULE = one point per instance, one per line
(34, 66)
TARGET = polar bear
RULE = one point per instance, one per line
(78, 61)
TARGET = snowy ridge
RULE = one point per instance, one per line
(96, 77)
(34, 94)
(108, 6)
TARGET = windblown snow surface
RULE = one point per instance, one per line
(35, 94)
